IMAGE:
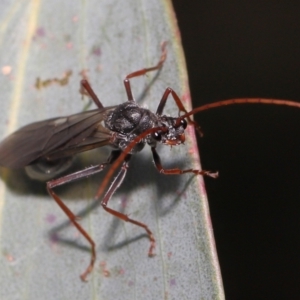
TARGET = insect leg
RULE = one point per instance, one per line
(87, 89)
(71, 177)
(179, 104)
(144, 71)
(177, 171)
(114, 186)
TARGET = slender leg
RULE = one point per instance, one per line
(87, 90)
(144, 71)
(71, 177)
(114, 186)
(177, 171)
(179, 104)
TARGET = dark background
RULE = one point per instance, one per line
(242, 48)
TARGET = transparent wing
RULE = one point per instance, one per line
(55, 138)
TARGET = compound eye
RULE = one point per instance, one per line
(157, 135)
(183, 123)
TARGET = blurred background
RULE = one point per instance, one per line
(240, 48)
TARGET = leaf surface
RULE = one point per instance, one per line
(46, 49)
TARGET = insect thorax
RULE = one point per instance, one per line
(128, 121)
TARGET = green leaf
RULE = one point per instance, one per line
(42, 254)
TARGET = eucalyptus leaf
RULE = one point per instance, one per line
(47, 47)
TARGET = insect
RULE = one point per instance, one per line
(127, 128)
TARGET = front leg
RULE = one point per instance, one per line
(144, 71)
(177, 171)
(180, 106)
